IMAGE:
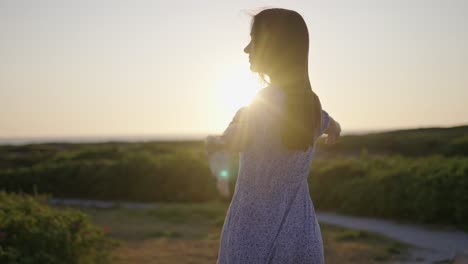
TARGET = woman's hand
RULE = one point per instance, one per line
(223, 187)
(219, 162)
(213, 144)
(333, 131)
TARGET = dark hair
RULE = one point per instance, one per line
(281, 41)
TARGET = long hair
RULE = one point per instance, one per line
(281, 42)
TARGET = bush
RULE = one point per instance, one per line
(32, 232)
(429, 190)
(137, 175)
(458, 146)
(412, 142)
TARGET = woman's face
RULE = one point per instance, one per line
(259, 53)
(249, 49)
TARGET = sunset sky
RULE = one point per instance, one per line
(93, 68)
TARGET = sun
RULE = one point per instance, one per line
(236, 89)
(233, 87)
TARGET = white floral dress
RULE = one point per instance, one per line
(271, 218)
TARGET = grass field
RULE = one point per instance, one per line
(189, 233)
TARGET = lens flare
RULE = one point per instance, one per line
(224, 173)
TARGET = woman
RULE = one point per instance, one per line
(271, 218)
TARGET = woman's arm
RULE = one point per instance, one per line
(333, 131)
(219, 162)
(236, 137)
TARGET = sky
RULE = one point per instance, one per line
(162, 68)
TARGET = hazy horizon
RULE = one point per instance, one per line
(155, 137)
(93, 68)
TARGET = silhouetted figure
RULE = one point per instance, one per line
(271, 218)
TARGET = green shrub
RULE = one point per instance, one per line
(138, 175)
(430, 189)
(458, 146)
(32, 232)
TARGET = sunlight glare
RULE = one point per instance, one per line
(237, 88)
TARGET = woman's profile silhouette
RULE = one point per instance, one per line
(271, 218)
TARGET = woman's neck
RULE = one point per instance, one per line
(287, 77)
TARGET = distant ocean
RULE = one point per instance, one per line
(126, 138)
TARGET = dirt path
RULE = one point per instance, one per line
(432, 245)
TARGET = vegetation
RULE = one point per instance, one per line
(427, 189)
(138, 172)
(417, 175)
(32, 232)
(412, 142)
